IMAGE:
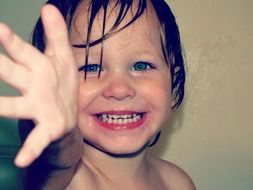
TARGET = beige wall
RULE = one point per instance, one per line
(20, 16)
(215, 137)
(211, 136)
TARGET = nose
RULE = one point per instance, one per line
(119, 88)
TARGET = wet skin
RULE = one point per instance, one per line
(134, 80)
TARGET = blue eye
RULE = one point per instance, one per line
(142, 66)
(90, 68)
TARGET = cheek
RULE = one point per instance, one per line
(87, 92)
(158, 92)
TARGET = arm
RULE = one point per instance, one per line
(54, 169)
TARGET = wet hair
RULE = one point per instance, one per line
(170, 37)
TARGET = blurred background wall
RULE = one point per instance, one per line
(211, 135)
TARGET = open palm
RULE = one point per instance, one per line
(48, 83)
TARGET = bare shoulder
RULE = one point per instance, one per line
(172, 176)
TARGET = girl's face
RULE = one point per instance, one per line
(124, 108)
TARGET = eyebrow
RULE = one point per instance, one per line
(150, 52)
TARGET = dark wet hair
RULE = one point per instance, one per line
(170, 37)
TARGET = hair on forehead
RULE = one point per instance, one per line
(169, 32)
(120, 7)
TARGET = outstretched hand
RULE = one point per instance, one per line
(48, 83)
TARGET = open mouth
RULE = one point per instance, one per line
(120, 121)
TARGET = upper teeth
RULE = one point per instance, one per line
(113, 116)
(120, 119)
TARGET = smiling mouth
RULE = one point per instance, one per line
(117, 121)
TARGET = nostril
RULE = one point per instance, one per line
(119, 90)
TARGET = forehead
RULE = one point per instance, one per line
(146, 27)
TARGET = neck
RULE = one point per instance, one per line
(116, 168)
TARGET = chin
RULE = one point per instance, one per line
(119, 147)
(128, 153)
(125, 151)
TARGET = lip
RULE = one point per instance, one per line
(118, 127)
(121, 112)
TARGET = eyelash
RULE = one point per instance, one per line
(149, 65)
(137, 67)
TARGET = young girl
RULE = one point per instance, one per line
(95, 94)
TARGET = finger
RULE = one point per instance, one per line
(57, 41)
(19, 50)
(13, 74)
(15, 107)
(34, 145)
